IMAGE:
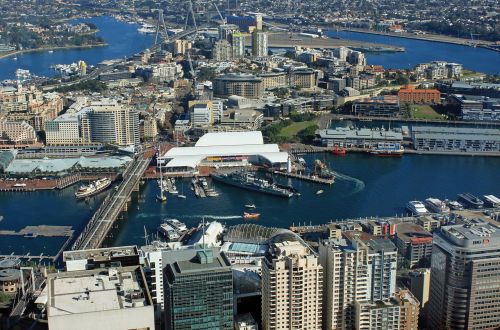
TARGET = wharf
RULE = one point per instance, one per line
(42, 230)
(305, 177)
(30, 185)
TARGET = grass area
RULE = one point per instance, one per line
(424, 112)
(295, 127)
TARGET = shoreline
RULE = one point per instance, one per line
(426, 37)
(34, 50)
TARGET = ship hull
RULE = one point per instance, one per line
(93, 192)
(251, 187)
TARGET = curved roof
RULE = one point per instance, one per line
(230, 139)
(9, 263)
(9, 274)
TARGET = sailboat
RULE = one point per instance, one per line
(161, 198)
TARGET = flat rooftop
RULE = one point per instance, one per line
(96, 291)
(476, 233)
(101, 254)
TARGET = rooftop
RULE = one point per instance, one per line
(96, 290)
(188, 261)
(474, 234)
(100, 254)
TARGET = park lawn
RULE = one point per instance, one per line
(295, 127)
(424, 112)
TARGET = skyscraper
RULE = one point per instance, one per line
(358, 269)
(259, 43)
(227, 30)
(465, 277)
(291, 287)
(222, 51)
(198, 290)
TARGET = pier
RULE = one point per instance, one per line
(96, 230)
(304, 177)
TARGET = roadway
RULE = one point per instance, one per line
(98, 227)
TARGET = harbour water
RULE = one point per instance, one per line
(421, 51)
(122, 38)
(365, 186)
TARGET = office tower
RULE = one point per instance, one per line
(358, 268)
(238, 44)
(420, 281)
(222, 51)
(465, 277)
(198, 290)
(292, 281)
(227, 30)
(259, 43)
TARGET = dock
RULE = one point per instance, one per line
(42, 230)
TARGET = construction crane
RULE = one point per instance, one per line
(220, 15)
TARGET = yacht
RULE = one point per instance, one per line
(471, 200)
(454, 205)
(436, 205)
(416, 207)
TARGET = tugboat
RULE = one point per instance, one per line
(322, 171)
(337, 151)
(93, 188)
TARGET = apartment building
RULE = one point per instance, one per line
(292, 284)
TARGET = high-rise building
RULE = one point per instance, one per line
(16, 134)
(112, 123)
(222, 50)
(465, 277)
(238, 45)
(377, 315)
(408, 310)
(246, 85)
(106, 298)
(292, 283)
(420, 286)
(259, 43)
(359, 268)
(198, 290)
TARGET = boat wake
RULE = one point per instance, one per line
(358, 184)
(211, 216)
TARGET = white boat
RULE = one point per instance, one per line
(181, 196)
(168, 231)
(492, 200)
(176, 224)
(319, 192)
(454, 205)
(417, 208)
(250, 206)
(436, 205)
(93, 188)
(147, 28)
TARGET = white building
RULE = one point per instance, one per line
(112, 299)
(259, 44)
(292, 283)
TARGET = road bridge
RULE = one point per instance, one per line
(98, 227)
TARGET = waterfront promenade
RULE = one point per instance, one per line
(97, 228)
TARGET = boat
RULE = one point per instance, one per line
(51, 51)
(492, 200)
(319, 192)
(416, 208)
(176, 224)
(339, 151)
(147, 28)
(248, 216)
(161, 198)
(322, 171)
(388, 149)
(93, 188)
(250, 206)
(181, 196)
(454, 205)
(471, 200)
(436, 205)
(248, 181)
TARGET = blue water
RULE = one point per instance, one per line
(420, 51)
(122, 38)
(365, 186)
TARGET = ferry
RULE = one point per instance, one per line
(147, 28)
(454, 205)
(416, 208)
(168, 232)
(492, 200)
(249, 216)
(177, 225)
(250, 182)
(436, 205)
(471, 200)
(388, 149)
(93, 188)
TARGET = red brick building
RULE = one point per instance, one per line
(424, 96)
